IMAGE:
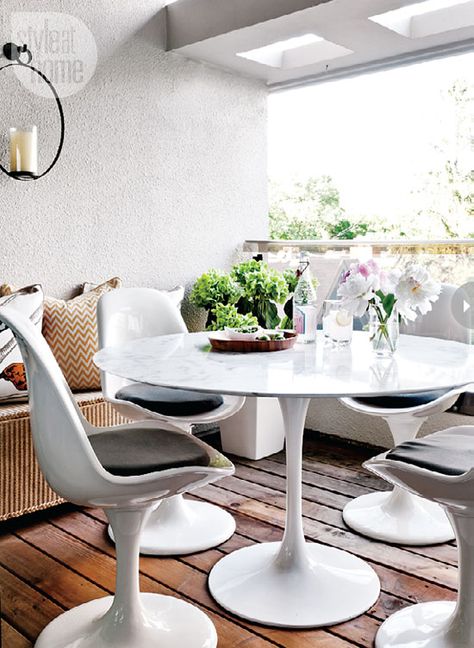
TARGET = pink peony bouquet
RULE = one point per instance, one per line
(409, 292)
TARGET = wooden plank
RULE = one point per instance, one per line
(266, 488)
(337, 451)
(278, 481)
(277, 498)
(397, 589)
(48, 576)
(251, 529)
(446, 552)
(176, 574)
(11, 638)
(24, 607)
(403, 584)
(371, 550)
(318, 448)
(58, 559)
(99, 569)
(315, 464)
(321, 481)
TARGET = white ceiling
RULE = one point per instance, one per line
(345, 36)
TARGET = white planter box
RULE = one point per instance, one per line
(256, 431)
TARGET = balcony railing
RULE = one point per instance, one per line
(449, 261)
(363, 246)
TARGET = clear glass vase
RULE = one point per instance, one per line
(384, 333)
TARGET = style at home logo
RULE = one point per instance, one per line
(63, 49)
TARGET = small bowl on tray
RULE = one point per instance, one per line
(243, 333)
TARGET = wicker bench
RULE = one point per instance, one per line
(22, 485)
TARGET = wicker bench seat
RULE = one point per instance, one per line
(22, 485)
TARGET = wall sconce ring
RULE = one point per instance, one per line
(15, 53)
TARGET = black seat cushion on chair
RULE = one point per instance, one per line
(454, 456)
(399, 401)
(138, 452)
(170, 402)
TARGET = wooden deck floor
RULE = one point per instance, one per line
(62, 558)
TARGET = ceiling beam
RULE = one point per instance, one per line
(193, 21)
(408, 58)
(256, 38)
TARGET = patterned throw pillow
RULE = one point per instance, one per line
(70, 328)
(29, 302)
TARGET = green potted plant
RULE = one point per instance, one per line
(262, 288)
(251, 293)
(214, 289)
(254, 290)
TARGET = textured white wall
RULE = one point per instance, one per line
(163, 172)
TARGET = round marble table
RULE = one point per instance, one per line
(293, 583)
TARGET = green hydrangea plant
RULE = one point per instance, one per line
(214, 288)
(247, 296)
(227, 315)
(263, 288)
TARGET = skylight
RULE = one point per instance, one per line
(296, 52)
(273, 54)
(428, 17)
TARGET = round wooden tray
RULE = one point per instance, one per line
(220, 342)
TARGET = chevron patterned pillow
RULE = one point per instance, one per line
(70, 328)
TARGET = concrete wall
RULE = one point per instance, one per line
(163, 172)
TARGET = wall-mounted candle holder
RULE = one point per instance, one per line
(24, 141)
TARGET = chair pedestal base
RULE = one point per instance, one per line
(427, 625)
(323, 587)
(181, 526)
(166, 623)
(398, 517)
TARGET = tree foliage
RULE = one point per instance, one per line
(441, 201)
(310, 209)
(446, 194)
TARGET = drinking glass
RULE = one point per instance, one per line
(337, 322)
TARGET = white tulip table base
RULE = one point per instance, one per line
(180, 526)
(294, 584)
(318, 586)
(398, 517)
(162, 621)
(426, 625)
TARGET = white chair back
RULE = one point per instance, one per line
(428, 483)
(59, 429)
(440, 321)
(130, 313)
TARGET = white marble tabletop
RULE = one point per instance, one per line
(186, 361)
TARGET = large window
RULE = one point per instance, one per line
(385, 155)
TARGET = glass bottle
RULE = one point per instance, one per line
(305, 313)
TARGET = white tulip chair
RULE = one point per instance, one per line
(125, 470)
(398, 516)
(178, 526)
(439, 467)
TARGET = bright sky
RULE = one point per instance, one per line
(373, 134)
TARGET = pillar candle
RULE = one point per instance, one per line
(24, 150)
